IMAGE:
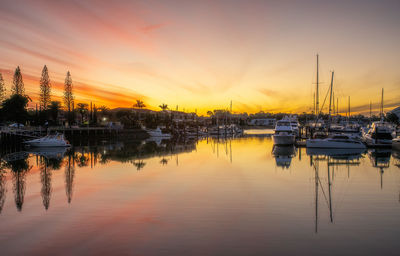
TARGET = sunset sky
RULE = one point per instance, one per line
(203, 54)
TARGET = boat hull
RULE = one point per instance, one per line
(46, 144)
(284, 139)
(321, 143)
(370, 142)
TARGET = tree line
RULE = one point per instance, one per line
(14, 106)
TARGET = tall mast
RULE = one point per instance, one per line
(317, 89)
(330, 99)
(337, 105)
(314, 103)
(349, 108)
(382, 106)
(370, 111)
(333, 103)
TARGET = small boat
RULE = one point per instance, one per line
(335, 141)
(284, 134)
(158, 133)
(379, 135)
(56, 140)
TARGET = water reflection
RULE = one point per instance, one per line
(283, 155)
(69, 176)
(380, 158)
(3, 189)
(19, 169)
(165, 185)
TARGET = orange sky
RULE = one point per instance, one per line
(203, 54)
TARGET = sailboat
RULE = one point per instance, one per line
(335, 140)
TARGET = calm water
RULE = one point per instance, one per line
(208, 197)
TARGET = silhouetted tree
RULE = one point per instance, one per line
(68, 96)
(14, 108)
(164, 107)
(94, 116)
(2, 89)
(54, 109)
(18, 83)
(44, 98)
(82, 109)
(139, 104)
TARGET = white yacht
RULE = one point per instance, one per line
(56, 140)
(335, 141)
(284, 133)
(158, 133)
(378, 135)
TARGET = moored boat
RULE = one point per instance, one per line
(284, 133)
(379, 135)
(335, 141)
(56, 140)
(158, 133)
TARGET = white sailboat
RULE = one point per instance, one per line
(335, 140)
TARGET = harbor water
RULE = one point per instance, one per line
(202, 197)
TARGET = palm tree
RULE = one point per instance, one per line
(139, 104)
(104, 110)
(164, 106)
(82, 109)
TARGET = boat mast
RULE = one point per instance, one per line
(349, 109)
(382, 106)
(370, 111)
(337, 105)
(330, 100)
(317, 89)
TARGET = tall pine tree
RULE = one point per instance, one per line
(68, 95)
(2, 89)
(45, 89)
(18, 83)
